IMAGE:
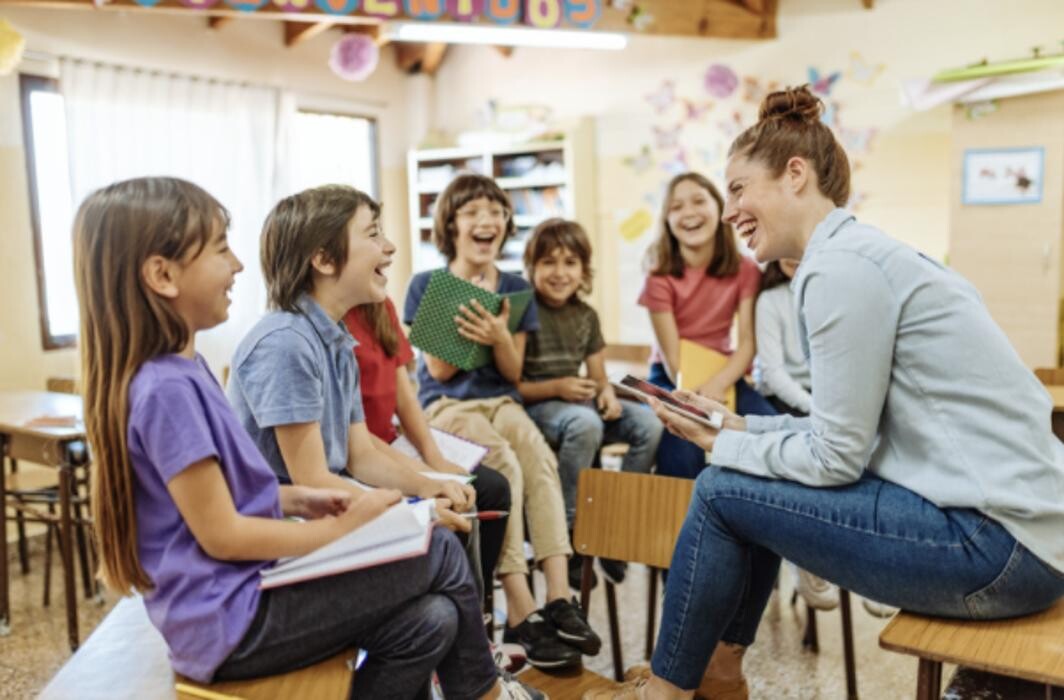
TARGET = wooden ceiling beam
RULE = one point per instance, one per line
(298, 32)
(217, 22)
(434, 55)
(416, 58)
(868, 4)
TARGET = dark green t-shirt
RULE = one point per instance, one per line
(565, 337)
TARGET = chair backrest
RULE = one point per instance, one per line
(630, 517)
(1050, 375)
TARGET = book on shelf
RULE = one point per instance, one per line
(401, 532)
(434, 329)
(465, 453)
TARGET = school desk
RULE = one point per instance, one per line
(60, 447)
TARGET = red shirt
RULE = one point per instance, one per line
(704, 306)
(377, 371)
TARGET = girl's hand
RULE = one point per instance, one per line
(313, 503)
(713, 389)
(446, 466)
(481, 326)
(732, 421)
(577, 389)
(608, 405)
(449, 519)
(367, 507)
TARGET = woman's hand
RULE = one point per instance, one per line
(313, 503)
(481, 326)
(608, 405)
(460, 497)
(576, 389)
(684, 427)
(732, 421)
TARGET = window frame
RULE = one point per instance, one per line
(29, 84)
(374, 133)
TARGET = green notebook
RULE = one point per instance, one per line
(435, 331)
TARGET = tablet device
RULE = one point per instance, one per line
(644, 390)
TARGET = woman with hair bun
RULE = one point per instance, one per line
(926, 475)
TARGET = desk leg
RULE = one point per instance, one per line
(5, 602)
(929, 680)
(66, 551)
(847, 644)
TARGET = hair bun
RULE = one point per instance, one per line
(797, 105)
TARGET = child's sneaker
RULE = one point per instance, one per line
(817, 592)
(541, 642)
(508, 657)
(571, 623)
(576, 571)
(613, 570)
(513, 689)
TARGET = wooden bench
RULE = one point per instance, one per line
(126, 657)
(1029, 648)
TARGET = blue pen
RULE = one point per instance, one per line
(413, 499)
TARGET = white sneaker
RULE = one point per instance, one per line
(878, 609)
(817, 592)
(510, 658)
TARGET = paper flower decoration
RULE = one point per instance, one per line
(354, 57)
(721, 81)
(11, 47)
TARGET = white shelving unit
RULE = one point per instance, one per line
(542, 178)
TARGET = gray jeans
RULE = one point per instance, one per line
(412, 617)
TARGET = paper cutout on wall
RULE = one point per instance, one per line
(677, 165)
(720, 81)
(754, 91)
(696, 111)
(641, 162)
(636, 225)
(862, 71)
(663, 97)
(822, 84)
(855, 140)
(731, 127)
(978, 110)
(665, 139)
(12, 44)
(830, 117)
(639, 18)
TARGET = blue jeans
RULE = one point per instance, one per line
(871, 537)
(680, 458)
(411, 617)
(576, 433)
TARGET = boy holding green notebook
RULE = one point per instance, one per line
(480, 402)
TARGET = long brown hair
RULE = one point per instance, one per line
(124, 324)
(376, 316)
(297, 228)
(789, 125)
(462, 190)
(663, 257)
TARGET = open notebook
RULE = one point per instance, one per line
(465, 453)
(401, 532)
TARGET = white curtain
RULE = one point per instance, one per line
(126, 122)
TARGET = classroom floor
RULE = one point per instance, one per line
(776, 666)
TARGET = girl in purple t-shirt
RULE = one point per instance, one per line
(188, 513)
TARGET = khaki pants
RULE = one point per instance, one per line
(518, 451)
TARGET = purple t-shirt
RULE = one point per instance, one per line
(178, 416)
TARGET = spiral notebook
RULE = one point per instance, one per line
(401, 532)
(435, 331)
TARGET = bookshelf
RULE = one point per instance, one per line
(542, 178)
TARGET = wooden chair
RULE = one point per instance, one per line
(629, 517)
(1050, 375)
(1029, 648)
(627, 359)
(125, 657)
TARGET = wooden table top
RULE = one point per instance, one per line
(17, 408)
(1027, 647)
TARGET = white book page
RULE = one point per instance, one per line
(411, 546)
(465, 453)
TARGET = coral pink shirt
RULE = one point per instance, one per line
(377, 371)
(704, 306)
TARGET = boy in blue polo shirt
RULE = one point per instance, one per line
(294, 380)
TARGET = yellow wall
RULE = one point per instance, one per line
(251, 51)
(905, 176)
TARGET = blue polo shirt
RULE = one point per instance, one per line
(482, 383)
(297, 368)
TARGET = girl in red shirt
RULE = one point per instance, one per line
(699, 284)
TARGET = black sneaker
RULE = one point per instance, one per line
(613, 570)
(571, 623)
(543, 647)
(576, 570)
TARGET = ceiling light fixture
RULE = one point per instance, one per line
(453, 33)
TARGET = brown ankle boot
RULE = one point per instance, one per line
(716, 687)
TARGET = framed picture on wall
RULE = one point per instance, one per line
(1003, 176)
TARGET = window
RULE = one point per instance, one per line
(334, 148)
(45, 139)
